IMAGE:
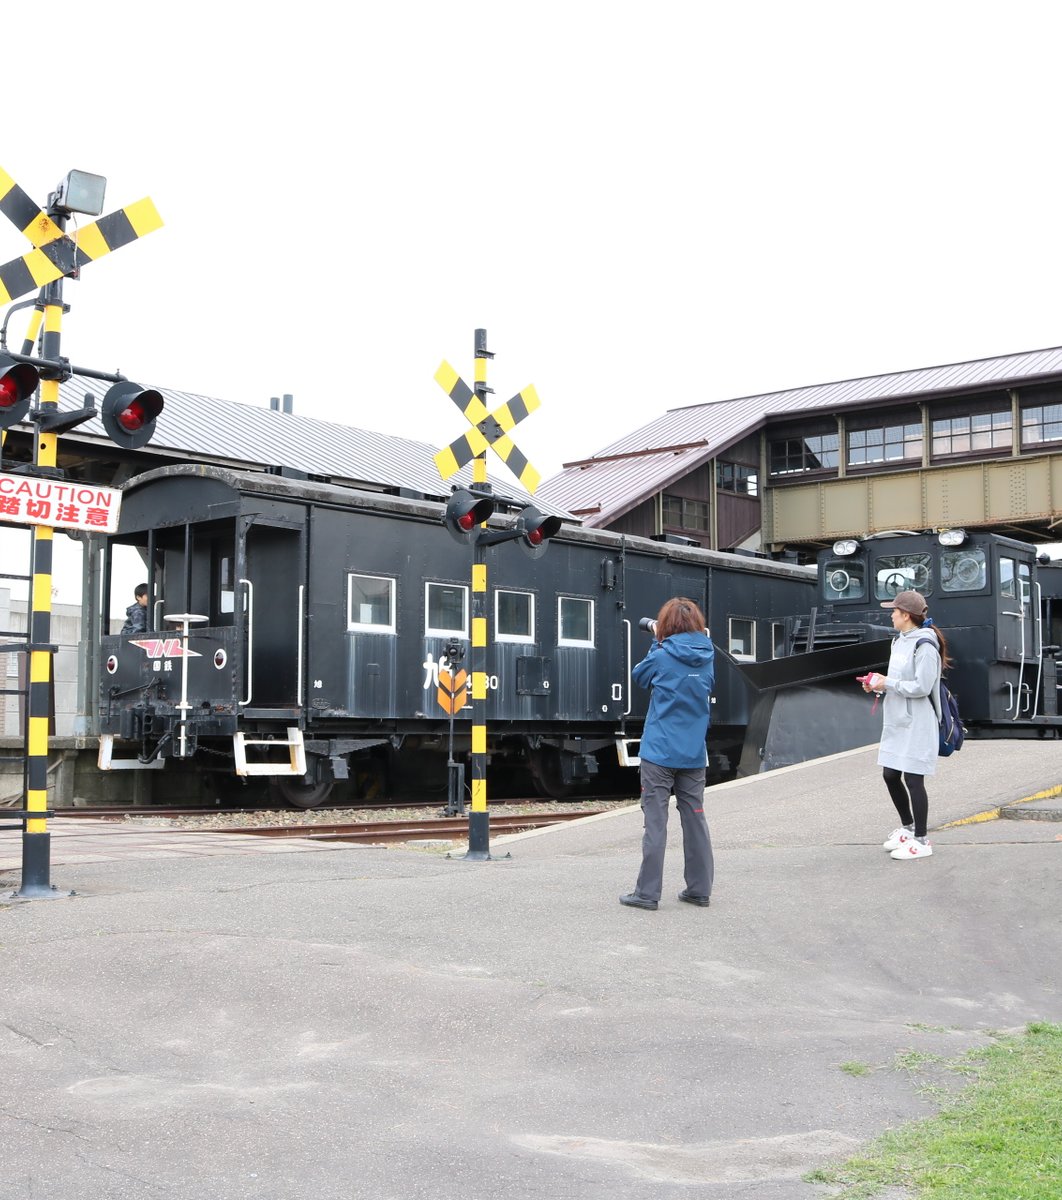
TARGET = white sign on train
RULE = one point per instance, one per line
(29, 500)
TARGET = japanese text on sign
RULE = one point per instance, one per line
(26, 501)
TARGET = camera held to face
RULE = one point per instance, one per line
(647, 625)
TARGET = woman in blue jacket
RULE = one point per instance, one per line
(680, 670)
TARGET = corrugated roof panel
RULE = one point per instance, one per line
(248, 436)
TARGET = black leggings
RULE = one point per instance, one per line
(911, 801)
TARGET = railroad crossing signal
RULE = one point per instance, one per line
(488, 429)
(129, 413)
(452, 693)
(56, 254)
(464, 511)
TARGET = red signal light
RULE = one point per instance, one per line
(133, 417)
(9, 396)
(467, 521)
(17, 384)
(534, 536)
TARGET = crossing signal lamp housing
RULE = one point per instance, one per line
(129, 413)
(18, 382)
(535, 530)
(465, 512)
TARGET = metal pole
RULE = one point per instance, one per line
(36, 840)
(479, 817)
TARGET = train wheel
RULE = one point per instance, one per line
(547, 776)
(299, 794)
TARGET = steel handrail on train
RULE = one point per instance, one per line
(1040, 654)
(298, 646)
(250, 639)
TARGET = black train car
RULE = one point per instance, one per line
(998, 602)
(297, 631)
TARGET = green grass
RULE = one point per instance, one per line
(1000, 1139)
(855, 1068)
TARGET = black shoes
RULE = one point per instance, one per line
(636, 901)
(702, 901)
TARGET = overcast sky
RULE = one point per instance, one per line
(646, 206)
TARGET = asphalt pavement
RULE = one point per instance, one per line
(392, 1024)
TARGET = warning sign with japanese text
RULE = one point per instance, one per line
(28, 500)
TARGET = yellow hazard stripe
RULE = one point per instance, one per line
(479, 795)
(479, 739)
(479, 685)
(25, 214)
(479, 577)
(479, 631)
(62, 255)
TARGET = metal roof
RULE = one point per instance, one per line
(626, 472)
(209, 429)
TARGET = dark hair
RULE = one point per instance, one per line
(945, 661)
(141, 589)
(679, 615)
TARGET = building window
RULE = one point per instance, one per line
(370, 604)
(741, 639)
(884, 444)
(972, 434)
(678, 512)
(445, 609)
(1041, 424)
(514, 616)
(736, 477)
(793, 456)
(575, 621)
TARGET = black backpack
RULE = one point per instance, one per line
(952, 734)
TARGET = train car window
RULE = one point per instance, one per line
(1024, 582)
(963, 570)
(446, 609)
(514, 616)
(900, 573)
(1006, 578)
(777, 639)
(224, 591)
(575, 621)
(370, 604)
(741, 639)
(844, 579)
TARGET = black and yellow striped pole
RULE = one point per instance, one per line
(478, 817)
(36, 840)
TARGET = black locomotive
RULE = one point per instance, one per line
(297, 631)
(998, 601)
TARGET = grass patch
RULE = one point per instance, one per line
(1000, 1139)
(855, 1068)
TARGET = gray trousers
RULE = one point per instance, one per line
(658, 785)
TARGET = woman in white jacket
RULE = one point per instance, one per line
(910, 736)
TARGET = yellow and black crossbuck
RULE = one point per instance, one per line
(56, 254)
(488, 429)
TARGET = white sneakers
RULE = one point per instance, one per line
(902, 844)
(898, 837)
(912, 848)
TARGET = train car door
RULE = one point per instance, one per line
(1017, 633)
(270, 610)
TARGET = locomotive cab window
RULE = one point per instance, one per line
(1007, 586)
(445, 609)
(844, 579)
(741, 639)
(514, 616)
(902, 573)
(575, 621)
(963, 570)
(370, 604)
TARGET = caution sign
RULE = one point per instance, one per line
(452, 693)
(31, 501)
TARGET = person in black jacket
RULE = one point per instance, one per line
(136, 613)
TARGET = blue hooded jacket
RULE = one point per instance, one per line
(681, 672)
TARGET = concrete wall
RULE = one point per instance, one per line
(66, 634)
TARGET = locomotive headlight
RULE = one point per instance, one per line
(951, 537)
(112, 663)
(845, 546)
